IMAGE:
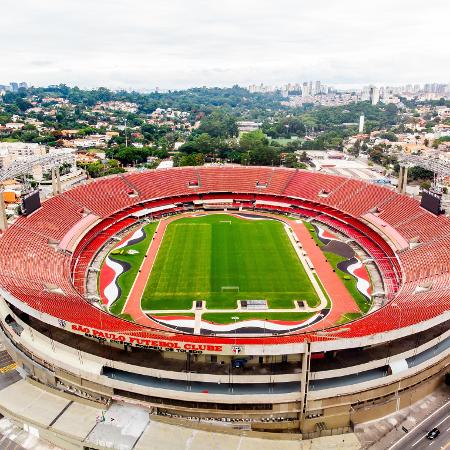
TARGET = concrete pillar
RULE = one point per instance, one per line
(37, 172)
(401, 177)
(3, 220)
(56, 181)
(405, 179)
(304, 380)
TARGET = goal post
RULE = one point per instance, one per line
(230, 288)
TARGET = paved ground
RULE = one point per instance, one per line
(11, 436)
(418, 419)
(14, 438)
(417, 440)
(8, 444)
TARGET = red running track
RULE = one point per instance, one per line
(133, 304)
(342, 301)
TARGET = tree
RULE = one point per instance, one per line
(389, 135)
(355, 149)
(204, 143)
(131, 155)
(376, 155)
(419, 173)
(253, 140)
(425, 185)
(98, 169)
(290, 160)
(304, 157)
(194, 159)
(264, 156)
(219, 124)
(293, 145)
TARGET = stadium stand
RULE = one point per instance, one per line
(297, 380)
(110, 198)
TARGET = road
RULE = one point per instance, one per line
(416, 439)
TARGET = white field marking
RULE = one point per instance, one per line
(136, 235)
(252, 323)
(361, 284)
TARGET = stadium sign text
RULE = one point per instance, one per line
(154, 344)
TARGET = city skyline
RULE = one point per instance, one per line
(176, 46)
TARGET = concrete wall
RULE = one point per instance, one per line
(337, 408)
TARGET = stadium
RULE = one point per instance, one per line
(272, 299)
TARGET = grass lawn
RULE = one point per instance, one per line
(126, 279)
(350, 284)
(126, 317)
(199, 256)
(348, 317)
(227, 317)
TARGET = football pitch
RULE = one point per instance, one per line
(221, 259)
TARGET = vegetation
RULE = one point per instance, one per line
(348, 317)
(134, 155)
(349, 282)
(199, 256)
(99, 169)
(440, 140)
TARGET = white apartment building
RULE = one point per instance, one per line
(16, 151)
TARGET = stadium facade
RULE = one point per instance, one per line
(321, 379)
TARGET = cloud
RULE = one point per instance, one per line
(143, 44)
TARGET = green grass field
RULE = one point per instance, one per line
(199, 256)
(126, 279)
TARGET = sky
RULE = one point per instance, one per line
(175, 44)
